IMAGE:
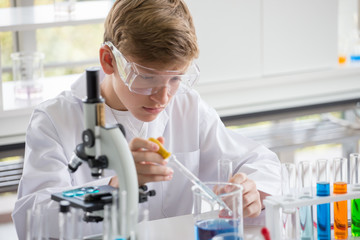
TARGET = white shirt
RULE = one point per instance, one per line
(192, 130)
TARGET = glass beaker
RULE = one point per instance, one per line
(64, 7)
(27, 74)
(211, 220)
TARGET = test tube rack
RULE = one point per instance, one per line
(273, 204)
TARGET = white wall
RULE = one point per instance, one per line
(241, 39)
(229, 36)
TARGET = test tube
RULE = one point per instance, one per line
(355, 203)
(288, 180)
(37, 222)
(77, 215)
(225, 170)
(340, 208)
(289, 216)
(107, 231)
(65, 228)
(323, 189)
(306, 212)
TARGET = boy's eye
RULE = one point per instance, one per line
(147, 77)
(175, 79)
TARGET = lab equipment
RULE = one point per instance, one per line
(189, 175)
(77, 219)
(266, 234)
(289, 216)
(147, 81)
(37, 220)
(355, 203)
(89, 199)
(340, 208)
(211, 220)
(103, 147)
(274, 204)
(306, 212)
(225, 170)
(27, 74)
(323, 190)
(64, 7)
(65, 226)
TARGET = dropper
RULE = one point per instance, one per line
(189, 175)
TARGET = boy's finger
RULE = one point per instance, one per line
(150, 169)
(238, 178)
(141, 143)
(150, 157)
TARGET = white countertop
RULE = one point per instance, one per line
(182, 228)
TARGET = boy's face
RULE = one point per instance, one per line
(145, 107)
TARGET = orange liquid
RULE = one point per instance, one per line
(342, 59)
(340, 213)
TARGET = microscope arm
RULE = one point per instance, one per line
(116, 148)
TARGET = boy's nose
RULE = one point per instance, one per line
(161, 96)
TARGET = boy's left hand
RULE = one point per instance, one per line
(251, 196)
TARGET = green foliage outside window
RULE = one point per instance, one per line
(65, 44)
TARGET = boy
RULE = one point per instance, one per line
(148, 71)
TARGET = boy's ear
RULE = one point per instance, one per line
(106, 60)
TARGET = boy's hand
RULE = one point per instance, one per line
(251, 196)
(150, 166)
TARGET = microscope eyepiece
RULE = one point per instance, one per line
(92, 85)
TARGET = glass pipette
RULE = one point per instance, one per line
(189, 175)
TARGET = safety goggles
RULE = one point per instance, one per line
(148, 81)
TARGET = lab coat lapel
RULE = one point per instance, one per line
(157, 127)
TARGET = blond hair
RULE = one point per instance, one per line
(152, 30)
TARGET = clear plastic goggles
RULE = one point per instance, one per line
(148, 81)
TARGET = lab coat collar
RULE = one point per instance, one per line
(78, 89)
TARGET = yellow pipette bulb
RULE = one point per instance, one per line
(162, 151)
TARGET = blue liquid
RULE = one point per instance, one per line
(306, 223)
(80, 191)
(355, 58)
(207, 229)
(323, 212)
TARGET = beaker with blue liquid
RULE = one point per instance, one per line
(212, 220)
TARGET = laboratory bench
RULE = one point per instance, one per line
(182, 227)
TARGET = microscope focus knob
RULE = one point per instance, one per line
(88, 138)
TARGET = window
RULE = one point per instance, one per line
(68, 49)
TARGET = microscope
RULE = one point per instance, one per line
(103, 147)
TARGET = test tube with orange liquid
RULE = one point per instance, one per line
(340, 208)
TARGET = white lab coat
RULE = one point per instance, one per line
(192, 131)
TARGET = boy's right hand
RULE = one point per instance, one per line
(150, 166)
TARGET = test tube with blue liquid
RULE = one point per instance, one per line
(322, 190)
(306, 212)
(289, 216)
(355, 203)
